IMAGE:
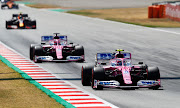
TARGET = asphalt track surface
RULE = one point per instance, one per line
(98, 4)
(155, 47)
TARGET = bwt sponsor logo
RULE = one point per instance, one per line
(107, 83)
(148, 82)
(42, 58)
(73, 57)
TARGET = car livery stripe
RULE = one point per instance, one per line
(61, 89)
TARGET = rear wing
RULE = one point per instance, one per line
(108, 56)
(45, 39)
(23, 15)
(103, 58)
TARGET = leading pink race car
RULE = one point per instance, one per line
(56, 48)
(117, 70)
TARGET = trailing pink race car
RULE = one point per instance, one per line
(56, 48)
(117, 70)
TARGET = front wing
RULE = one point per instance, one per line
(116, 84)
(17, 27)
(68, 58)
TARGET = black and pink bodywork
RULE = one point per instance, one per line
(117, 70)
(56, 49)
(20, 22)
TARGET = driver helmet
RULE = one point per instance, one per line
(119, 63)
(119, 55)
(20, 15)
(55, 42)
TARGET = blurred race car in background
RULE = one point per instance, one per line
(20, 21)
(9, 4)
(56, 48)
(116, 70)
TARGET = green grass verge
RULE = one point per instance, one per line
(18, 92)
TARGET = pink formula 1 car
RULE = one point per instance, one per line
(117, 70)
(56, 48)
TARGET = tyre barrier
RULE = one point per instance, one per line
(157, 11)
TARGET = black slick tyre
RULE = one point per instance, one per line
(86, 72)
(79, 50)
(31, 52)
(7, 25)
(37, 51)
(97, 74)
(34, 24)
(153, 74)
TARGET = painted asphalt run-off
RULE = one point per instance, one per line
(67, 91)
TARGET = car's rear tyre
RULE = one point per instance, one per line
(153, 74)
(98, 73)
(17, 7)
(86, 72)
(34, 24)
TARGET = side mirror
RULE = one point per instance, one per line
(71, 43)
(140, 63)
(103, 63)
(43, 43)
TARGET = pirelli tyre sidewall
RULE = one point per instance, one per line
(86, 73)
(31, 51)
(3, 5)
(37, 51)
(7, 24)
(16, 6)
(98, 73)
(153, 74)
(34, 24)
(79, 50)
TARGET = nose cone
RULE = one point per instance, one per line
(21, 24)
(126, 76)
